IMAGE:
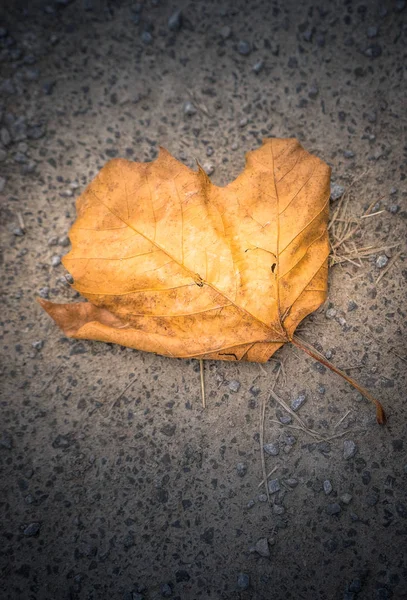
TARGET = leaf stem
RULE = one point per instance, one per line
(313, 352)
(201, 370)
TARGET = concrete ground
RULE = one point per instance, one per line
(139, 493)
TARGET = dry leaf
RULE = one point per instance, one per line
(172, 264)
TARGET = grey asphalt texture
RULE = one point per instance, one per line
(140, 493)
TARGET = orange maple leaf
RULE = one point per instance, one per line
(173, 264)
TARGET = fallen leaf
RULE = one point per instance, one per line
(173, 264)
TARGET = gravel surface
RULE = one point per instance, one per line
(115, 482)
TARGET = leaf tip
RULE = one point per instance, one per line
(202, 172)
(380, 415)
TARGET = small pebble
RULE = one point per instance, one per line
(243, 581)
(321, 390)
(298, 402)
(346, 498)
(35, 132)
(373, 51)
(308, 35)
(292, 482)
(241, 469)
(290, 440)
(189, 109)
(250, 504)
(258, 66)
(397, 445)
(64, 241)
(175, 21)
(262, 547)
(327, 487)
(263, 498)
(349, 449)
(381, 261)
(225, 32)
(6, 441)
(32, 529)
(209, 168)
(17, 231)
(313, 92)
(333, 509)
(55, 260)
(234, 385)
(348, 154)
(372, 498)
(371, 116)
(401, 509)
(355, 586)
(5, 136)
(166, 591)
(274, 486)
(43, 292)
(38, 345)
(146, 37)
(394, 209)
(372, 31)
(352, 305)
(278, 509)
(330, 313)
(271, 449)
(244, 48)
(285, 419)
(48, 87)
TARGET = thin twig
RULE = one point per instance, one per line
(320, 438)
(273, 470)
(341, 419)
(342, 433)
(201, 369)
(50, 380)
(262, 369)
(359, 366)
(294, 415)
(262, 458)
(128, 386)
(379, 212)
(300, 428)
(389, 266)
(398, 355)
(21, 221)
(261, 432)
(316, 355)
(200, 105)
(281, 365)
